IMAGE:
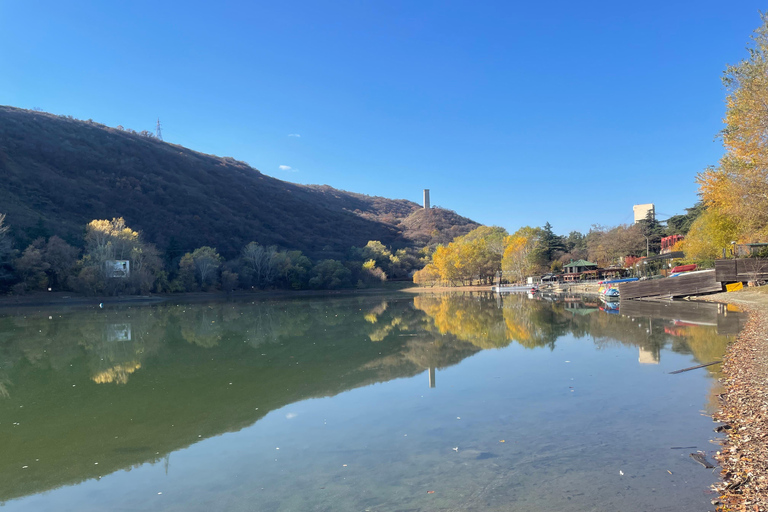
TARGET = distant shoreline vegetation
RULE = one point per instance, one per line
(117, 260)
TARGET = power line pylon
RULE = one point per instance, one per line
(158, 131)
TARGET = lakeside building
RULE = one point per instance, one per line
(573, 271)
(579, 266)
(668, 243)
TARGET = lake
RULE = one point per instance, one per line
(460, 402)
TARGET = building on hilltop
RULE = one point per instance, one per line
(426, 199)
(642, 210)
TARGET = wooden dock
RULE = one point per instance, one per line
(694, 283)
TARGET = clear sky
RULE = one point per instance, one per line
(512, 113)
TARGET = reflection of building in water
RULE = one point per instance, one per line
(649, 356)
(117, 374)
(431, 376)
(119, 332)
(119, 355)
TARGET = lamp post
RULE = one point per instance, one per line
(733, 249)
(647, 245)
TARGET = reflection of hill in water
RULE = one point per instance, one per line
(124, 387)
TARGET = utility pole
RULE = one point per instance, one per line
(158, 131)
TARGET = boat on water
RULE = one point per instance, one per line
(610, 288)
(610, 306)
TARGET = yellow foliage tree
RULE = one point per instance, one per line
(738, 187)
(709, 234)
(428, 276)
(522, 254)
(474, 257)
(110, 239)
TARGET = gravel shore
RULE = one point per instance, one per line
(743, 457)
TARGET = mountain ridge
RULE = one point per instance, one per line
(60, 173)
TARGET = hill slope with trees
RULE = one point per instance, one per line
(60, 173)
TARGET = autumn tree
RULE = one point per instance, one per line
(709, 234)
(474, 257)
(523, 254)
(371, 274)
(448, 266)
(606, 245)
(107, 240)
(427, 276)
(738, 186)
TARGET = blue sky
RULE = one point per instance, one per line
(512, 113)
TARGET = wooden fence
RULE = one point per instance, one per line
(741, 270)
(683, 285)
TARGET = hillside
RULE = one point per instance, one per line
(60, 173)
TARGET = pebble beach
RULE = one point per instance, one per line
(743, 413)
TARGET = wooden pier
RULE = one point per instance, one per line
(694, 283)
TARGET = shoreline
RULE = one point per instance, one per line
(743, 456)
(68, 299)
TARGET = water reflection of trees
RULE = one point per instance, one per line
(138, 370)
(487, 321)
(470, 317)
(114, 379)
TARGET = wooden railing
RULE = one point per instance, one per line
(741, 270)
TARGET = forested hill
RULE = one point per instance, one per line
(60, 173)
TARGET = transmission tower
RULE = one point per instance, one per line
(158, 131)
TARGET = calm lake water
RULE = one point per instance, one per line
(391, 403)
